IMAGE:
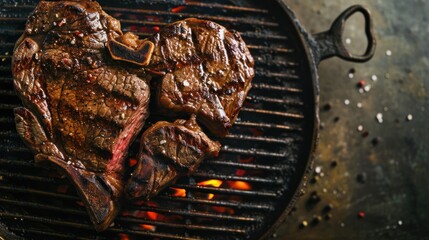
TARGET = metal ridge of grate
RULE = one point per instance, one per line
(248, 21)
(50, 234)
(185, 226)
(89, 227)
(221, 203)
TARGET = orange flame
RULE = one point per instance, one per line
(178, 192)
(212, 183)
(239, 185)
(178, 9)
(210, 196)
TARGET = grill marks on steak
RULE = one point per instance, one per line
(82, 109)
(167, 151)
(209, 70)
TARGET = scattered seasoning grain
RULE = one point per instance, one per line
(328, 208)
(303, 224)
(375, 141)
(400, 223)
(327, 107)
(361, 214)
(347, 102)
(361, 83)
(379, 117)
(367, 88)
(359, 105)
(351, 73)
(328, 216)
(334, 164)
(388, 53)
(316, 219)
(336, 119)
(361, 178)
(360, 128)
(348, 41)
(318, 169)
(374, 78)
(409, 117)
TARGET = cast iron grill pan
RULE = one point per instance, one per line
(267, 151)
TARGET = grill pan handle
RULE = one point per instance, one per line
(330, 43)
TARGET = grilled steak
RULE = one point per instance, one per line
(208, 71)
(82, 108)
(85, 90)
(167, 151)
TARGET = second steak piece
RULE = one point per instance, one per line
(167, 151)
(208, 72)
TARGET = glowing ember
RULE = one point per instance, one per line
(62, 188)
(223, 210)
(152, 215)
(240, 172)
(148, 227)
(212, 183)
(239, 185)
(123, 236)
(132, 162)
(178, 192)
(178, 9)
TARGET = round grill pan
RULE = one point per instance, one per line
(248, 190)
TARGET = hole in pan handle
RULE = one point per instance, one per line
(330, 43)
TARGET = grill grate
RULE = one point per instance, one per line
(264, 151)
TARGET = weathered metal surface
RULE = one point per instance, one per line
(375, 179)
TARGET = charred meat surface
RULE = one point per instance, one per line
(85, 90)
(81, 108)
(167, 151)
(208, 72)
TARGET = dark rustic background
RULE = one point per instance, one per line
(376, 181)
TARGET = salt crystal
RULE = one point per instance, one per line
(162, 142)
(359, 105)
(367, 88)
(348, 41)
(374, 78)
(379, 117)
(318, 169)
(360, 128)
(186, 83)
(409, 117)
(347, 102)
(388, 53)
